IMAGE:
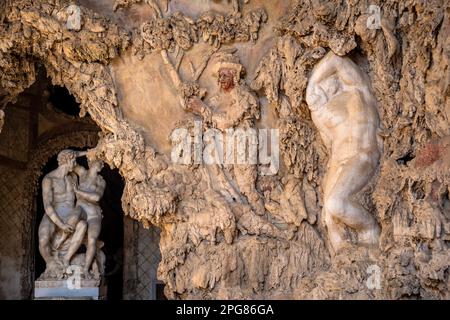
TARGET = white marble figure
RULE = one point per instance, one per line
(89, 192)
(72, 217)
(345, 113)
(62, 219)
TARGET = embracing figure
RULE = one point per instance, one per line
(72, 215)
(89, 192)
(62, 219)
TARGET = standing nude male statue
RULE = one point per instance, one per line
(89, 192)
(344, 111)
(61, 214)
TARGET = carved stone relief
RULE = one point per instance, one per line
(361, 114)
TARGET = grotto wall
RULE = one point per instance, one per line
(34, 131)
(142, 69)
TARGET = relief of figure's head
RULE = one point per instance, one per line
(226, 79)
(67, 159)
(227, 69)
(94, 163)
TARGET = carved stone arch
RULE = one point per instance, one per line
(49, 146)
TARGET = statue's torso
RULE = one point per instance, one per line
(63, 195)
(91, 208)
(348, 125)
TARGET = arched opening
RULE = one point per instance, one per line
(63, 101)
(42, 122)
(112, 226)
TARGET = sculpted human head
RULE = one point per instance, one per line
(94, 163)
(67, 160)
(228, 70)
(227, 79)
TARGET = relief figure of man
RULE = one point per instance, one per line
(61, 214)
(234, 107)
(345, 113)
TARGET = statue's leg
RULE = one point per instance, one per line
(73, 220)
(345, 182)
(335, 232)
(46, 230)
(93, 231)
(76, 240)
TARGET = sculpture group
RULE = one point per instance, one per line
(342, 108)
(228, 230)
(72, 217)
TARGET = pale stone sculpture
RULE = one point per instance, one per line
(89, 192)
(61, 217)
(408, 195)
(73, 217)
(345, 113)
(235, 106)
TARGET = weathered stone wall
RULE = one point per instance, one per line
(122, 66)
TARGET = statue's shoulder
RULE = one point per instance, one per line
(49, 176)
(101, 181)
(245, 94)
(48, 179)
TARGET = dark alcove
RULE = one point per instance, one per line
(112, 226)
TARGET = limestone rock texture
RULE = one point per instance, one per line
(115, 64)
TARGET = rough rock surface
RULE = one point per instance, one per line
(213, 248)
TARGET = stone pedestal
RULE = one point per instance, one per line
(67, 290)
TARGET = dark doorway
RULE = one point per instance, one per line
(63, 101)
(112, 226)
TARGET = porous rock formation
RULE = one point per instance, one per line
(212, 248)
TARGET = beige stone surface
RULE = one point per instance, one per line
(216, 247)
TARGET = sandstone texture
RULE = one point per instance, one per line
(141, 69)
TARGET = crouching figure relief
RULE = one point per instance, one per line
(345, 113)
